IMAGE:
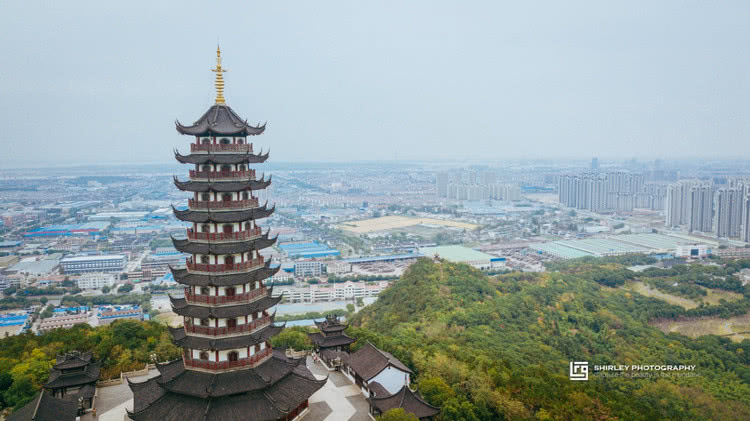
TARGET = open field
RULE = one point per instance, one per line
(737, 328)
(169, 318)
(392, 222)
(646, 290)
(713, 297)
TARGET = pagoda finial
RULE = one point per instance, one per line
(219, 78)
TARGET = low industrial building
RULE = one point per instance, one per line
(461, 254)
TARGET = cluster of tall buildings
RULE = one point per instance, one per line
(723, 211)
(610, 191)
(474, 185)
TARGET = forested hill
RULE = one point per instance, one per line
(498, 348)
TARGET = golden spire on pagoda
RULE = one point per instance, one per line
(219, 83)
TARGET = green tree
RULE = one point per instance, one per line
(397, 414)
(125, 288)
(294, 337)
(435, 390)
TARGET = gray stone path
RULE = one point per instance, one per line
(340, 399)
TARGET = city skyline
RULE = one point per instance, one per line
(383, 82)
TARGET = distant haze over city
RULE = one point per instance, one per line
(90, 82)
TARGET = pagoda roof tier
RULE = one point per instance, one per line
(330, 325)
(268, 401)
(220, 119)
(183, 340)
(73, 360)
(410, 401)
(225, 158)
(58, 379)
(178, 379)
(201, 216)
(193, 279)
(182, 308)
(222, 186)
(187, 246)
(330, 341)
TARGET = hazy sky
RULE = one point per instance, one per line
(382, 80)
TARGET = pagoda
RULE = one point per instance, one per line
(331, 335)
(228, 369)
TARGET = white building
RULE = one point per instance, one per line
(104, 263)
(308, 268)
(338, 267)
(96, 280)
(693, 251)
(330, 292)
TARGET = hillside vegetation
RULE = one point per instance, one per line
(124, 345)
(498, 348)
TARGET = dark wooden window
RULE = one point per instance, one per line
(233, 356)
(205, 291)
(228, 228)
(232, 323)
(203, 355)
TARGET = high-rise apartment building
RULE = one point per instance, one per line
(701, 209)
(729, 207)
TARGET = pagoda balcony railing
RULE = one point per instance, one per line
(221, 365)
(224, 299)
(222, 174)
(218, 147)
(235, 267)
(225, 330)
(224, 236)
(223, 204)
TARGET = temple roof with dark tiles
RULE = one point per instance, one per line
(225, 158)
(222, 186)
(368, 361)
(407, 399)
(201, 216)
(331, 324)
(45, 407)
(192, 247)
(193, 279)
(73, 360)
(176, 378)
(330, 341)
(269, 402)
(220, 119)
(181, 307)
(58, 379)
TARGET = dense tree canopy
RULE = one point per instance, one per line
(125, 345)
(498, 348)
